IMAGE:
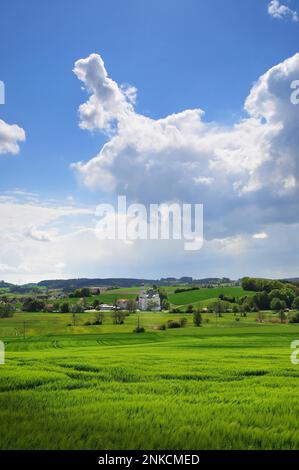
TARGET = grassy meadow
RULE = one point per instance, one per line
(225, 385)
(205, 295)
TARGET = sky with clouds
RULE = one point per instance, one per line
(169, 101)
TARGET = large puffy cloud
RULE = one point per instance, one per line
(244, 174)
(10, 136)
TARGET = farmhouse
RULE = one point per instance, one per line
(123, 304)
(94, 290)
(106, 307)
(149, 300)
(57, 296)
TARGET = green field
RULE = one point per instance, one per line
(204, 295)
(224, 386)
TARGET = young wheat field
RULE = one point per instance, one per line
(229, 385)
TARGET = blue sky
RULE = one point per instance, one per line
(180, 55)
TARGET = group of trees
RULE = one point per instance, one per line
(259, 285)
(227, 298)
(131, 305)
(37, 305)
(6, 310)
(277, 299)
(33, 305)
(83, 292)
(197, 318)
(181, 322)
(99, 319)
(118, 317)
(165, 304)
(185, 289)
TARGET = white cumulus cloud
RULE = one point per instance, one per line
(241, 173)
(281, 11)
(10, 136)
